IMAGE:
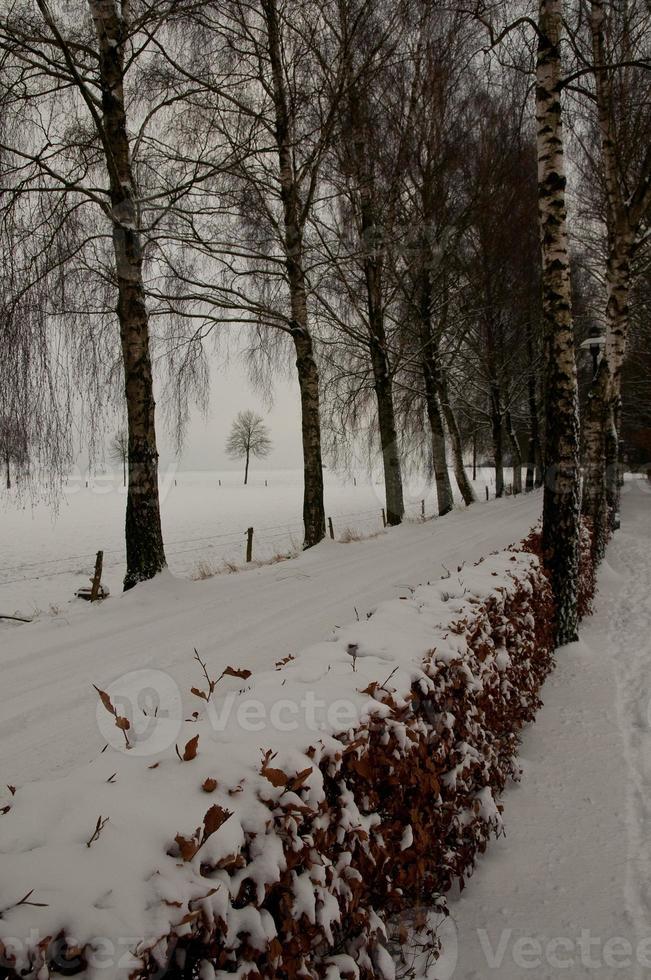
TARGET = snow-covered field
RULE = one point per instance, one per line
(45, 557)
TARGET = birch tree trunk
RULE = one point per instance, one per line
(595, 421)
(497, 436)
(144, 541)
(624, 213)
(534, 461)
(293, 220)
(562, 499)
(439, 456)
(517, 454)
(431, 384)
(460, 475)
(383, 385)
(388, 433)
(308, 380)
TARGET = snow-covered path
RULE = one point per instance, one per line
(48, 707)
(567, 892)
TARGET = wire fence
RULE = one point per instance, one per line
(205, 554)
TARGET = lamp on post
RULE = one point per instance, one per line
(595, 343)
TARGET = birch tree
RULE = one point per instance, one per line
(74, 73)
(144, 540)
(433, 199)
(622, 97)
(272, 77)
(367, 157)
(295, 211)
(562, 495)
(266, 81)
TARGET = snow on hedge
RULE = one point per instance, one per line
(338, 786)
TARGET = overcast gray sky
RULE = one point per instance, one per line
(230, 393)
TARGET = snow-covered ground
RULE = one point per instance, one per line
(45, 557)
(47, 704)
(567, 891)
(126, 879)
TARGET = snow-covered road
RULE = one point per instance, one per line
(567, 892)
(252, 619)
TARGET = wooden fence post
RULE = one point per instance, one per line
(487, 492)
(332, 530)
(249, 544)
(97, 577)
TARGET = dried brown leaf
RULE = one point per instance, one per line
(106, 701)
(242, 673)
(275, 776)
(190, 751)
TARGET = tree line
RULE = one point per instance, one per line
(375, 191)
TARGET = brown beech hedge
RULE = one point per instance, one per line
(406, 799)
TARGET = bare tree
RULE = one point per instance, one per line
(432, 206)
(270, 79)
(249, 436)
(73, 76)
(119, 452)
(562, 493)
(267, 81)
(36, 399)
(617, 57)
(14, 448)
(501, 226)
(367, 159)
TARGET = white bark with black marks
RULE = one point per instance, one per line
(144, 540)
(562, 499)
(624, 214)
(456, 445)
(293, 223)
(516, 453)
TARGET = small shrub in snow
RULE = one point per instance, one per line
(204, 570)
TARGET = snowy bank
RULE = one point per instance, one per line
(291, 818)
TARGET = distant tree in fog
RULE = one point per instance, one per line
(119, 452)
(249, 436)
(14, 451)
